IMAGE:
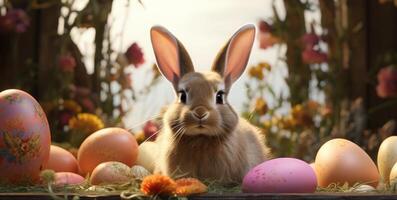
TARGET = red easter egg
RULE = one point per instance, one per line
(24, 138)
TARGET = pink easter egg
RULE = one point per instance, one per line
(281, 175)
(68, 178)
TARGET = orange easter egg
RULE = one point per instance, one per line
(62, 160)
(109, 144)
(341, 161)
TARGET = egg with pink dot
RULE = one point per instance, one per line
(280, 175)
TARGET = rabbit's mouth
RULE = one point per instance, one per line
(200, 126)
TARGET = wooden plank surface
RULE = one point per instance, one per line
(316, 196)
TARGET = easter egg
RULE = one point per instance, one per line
(340, 161)
(62, 160)
(147, 155)
(363, 189)
(387, 157)
(139, 172)
(280, 175)
(393, 175)
(109, 144)
(24, 138)
(111, 173)
(68, 178)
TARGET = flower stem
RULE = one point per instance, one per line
(381, 106)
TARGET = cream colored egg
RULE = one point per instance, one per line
(393, 175)
(387, 156)
(148, 152)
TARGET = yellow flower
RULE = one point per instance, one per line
(275, 121)
(261, 106)
(86, 123)
(288, 122)
(302, 115)
(256, 72)
(71, 105)
(264, 65)
(267, 124)
(140, 137)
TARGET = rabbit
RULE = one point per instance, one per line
(202, 136)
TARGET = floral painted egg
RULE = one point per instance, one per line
(24, 138)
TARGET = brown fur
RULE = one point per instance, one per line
(220, 146)
(223, 155)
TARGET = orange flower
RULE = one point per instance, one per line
(264, 65)
(312, 105)
(189, 186)
(256, 72)
(158, 185)
(301, 115)
(261, 106)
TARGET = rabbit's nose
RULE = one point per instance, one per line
(201, 113)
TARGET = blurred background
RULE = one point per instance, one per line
(319, 69)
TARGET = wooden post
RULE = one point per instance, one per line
(299, 82)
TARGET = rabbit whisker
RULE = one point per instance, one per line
(155, 133)
(144, 122)
(178, 134)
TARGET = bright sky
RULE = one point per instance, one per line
(202, 26)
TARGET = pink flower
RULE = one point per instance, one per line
(15, 20)
(150, 130)
(6, 24)
(264, 26)
(309, 40)
(134, 55)
(311, 56)
(67, 63)
(387, 82)
(64, 118)
(82, 91)
(87, 104)
(265, 36)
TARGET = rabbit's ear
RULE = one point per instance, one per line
(172, 58)
(233, 57)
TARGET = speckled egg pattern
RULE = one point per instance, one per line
(282, 175)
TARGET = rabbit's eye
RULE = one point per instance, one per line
(220, 97)
(182, 96)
